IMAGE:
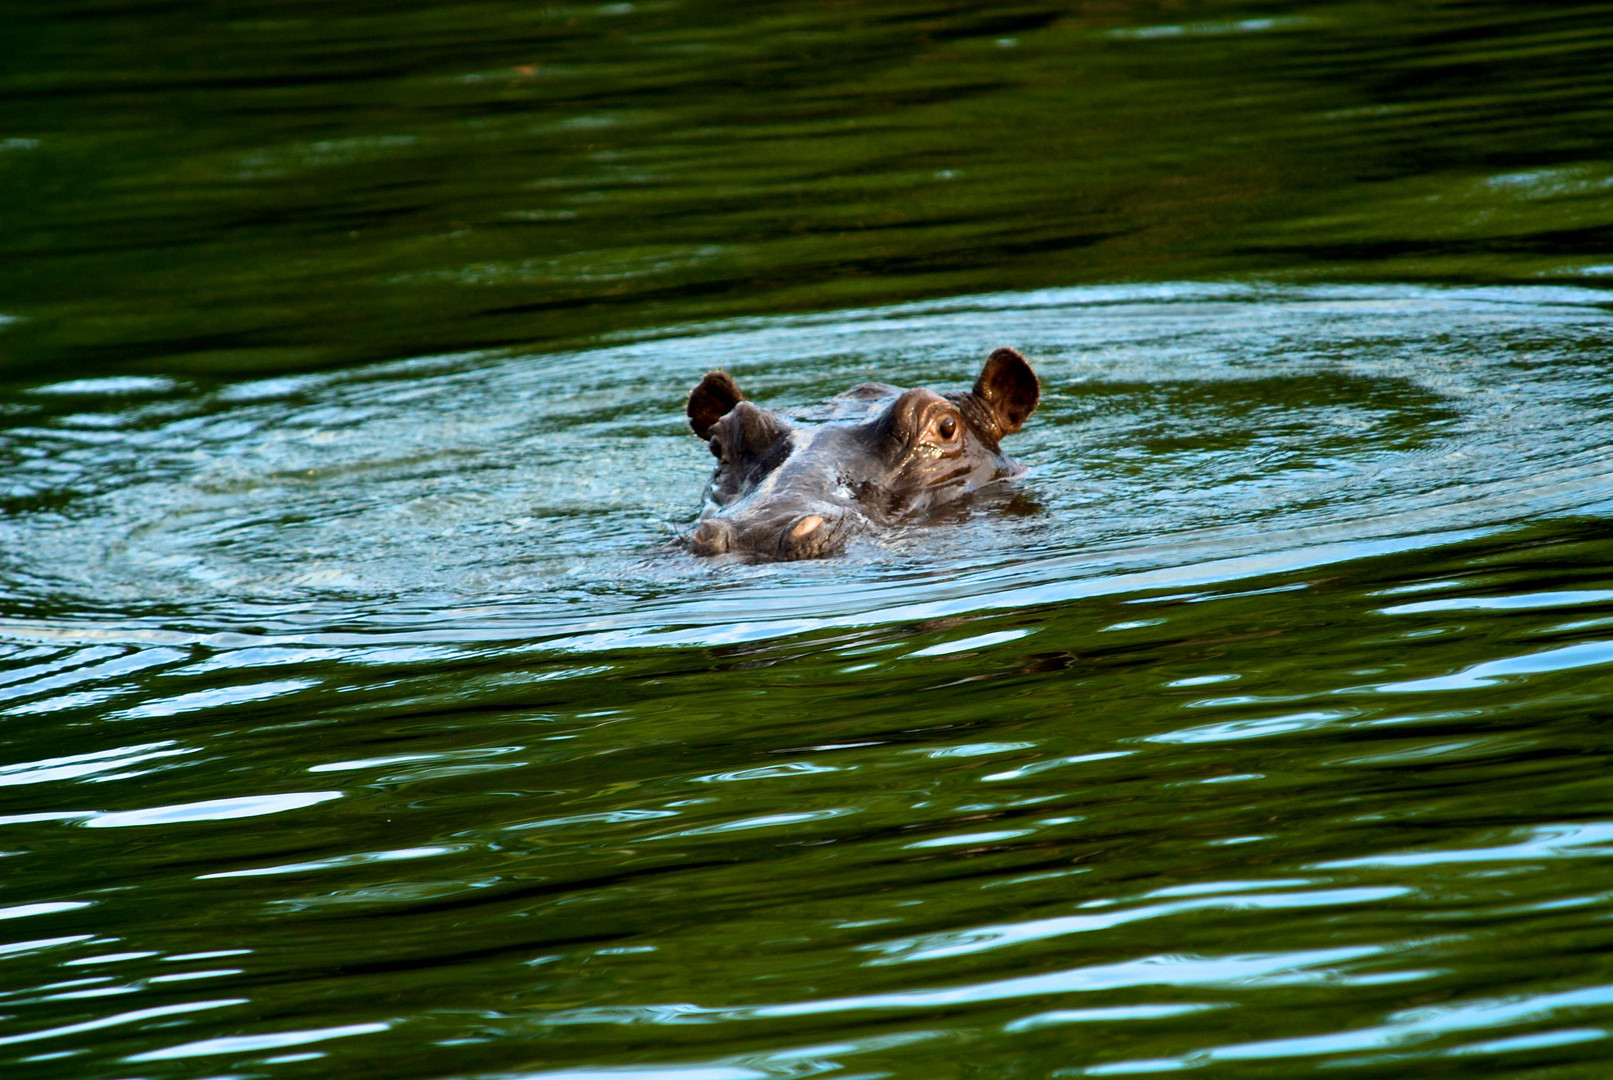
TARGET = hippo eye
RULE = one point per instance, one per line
(947, 428)
(716, 447)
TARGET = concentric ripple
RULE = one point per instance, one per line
(1188, 433)
(363, 724)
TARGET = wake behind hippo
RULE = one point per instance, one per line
(788, 490)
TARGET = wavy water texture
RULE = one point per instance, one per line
(362, 723)
(1189, 435)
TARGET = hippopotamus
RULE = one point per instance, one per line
(785, 489)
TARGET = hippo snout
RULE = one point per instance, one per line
(711, 537)
(782, 538)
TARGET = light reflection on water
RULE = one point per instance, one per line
(1189, 435)
(1269, 731)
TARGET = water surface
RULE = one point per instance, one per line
(1261, 729)
(356, 719)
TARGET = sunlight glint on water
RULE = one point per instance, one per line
(364, 720)
(356, 721)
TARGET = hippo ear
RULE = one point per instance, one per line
(1009, 388)
(711, 401)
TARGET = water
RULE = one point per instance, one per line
(356, 719)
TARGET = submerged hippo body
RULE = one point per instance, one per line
(788, 490)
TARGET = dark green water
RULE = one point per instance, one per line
(354, 721)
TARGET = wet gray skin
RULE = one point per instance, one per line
(787, 490)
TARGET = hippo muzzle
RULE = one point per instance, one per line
(776, 537)
(786, 490)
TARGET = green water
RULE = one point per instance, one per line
(356, 721)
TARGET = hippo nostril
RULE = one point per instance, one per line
(808, 524)
(709, 538)
(812, 536)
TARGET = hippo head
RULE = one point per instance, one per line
(790, 490)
